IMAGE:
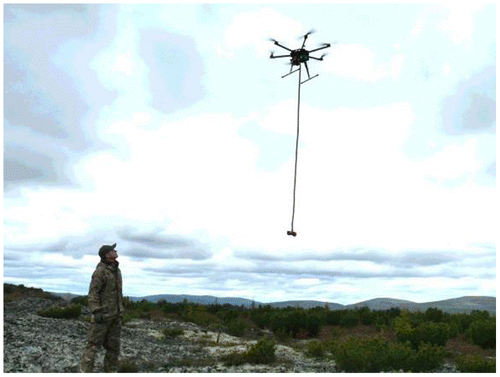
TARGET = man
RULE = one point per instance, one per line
(105, 303)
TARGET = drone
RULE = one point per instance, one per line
(299, 56)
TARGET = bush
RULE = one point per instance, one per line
(475, 364)
(349, 319)
(237, 327)
(72, 311)
(128, 366)
(315, 349)
(483, 333)
(173, 332)
(428, 357)
(426, 332)
(333, 317)
(371, 355)
(263, 352)
(234, 359)
(80, 300)
(376, 354)
(432, 333)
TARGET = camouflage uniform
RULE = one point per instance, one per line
(105, 303)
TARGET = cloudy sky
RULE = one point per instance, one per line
(168, 130)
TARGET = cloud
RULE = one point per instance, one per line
(455, 161)
(459, 22)
(153, 244)
(44, 109)
(272, 24)
(359, 63)
(175, 69)
(472, 107)
(492, 169)
(402, 260)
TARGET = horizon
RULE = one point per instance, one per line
(269, 302)
(167, 129)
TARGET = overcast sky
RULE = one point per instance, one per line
(168, 130)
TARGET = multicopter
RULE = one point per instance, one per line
(297, 57)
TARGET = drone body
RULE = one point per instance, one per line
(297, 57)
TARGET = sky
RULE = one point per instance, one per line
(168, 130)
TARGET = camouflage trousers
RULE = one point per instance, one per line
(105, 334)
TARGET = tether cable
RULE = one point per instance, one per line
(296, 155)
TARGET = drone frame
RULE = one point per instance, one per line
(299, 56)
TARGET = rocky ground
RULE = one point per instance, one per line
(37, 344)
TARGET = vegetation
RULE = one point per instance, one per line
(13, 292)
(262, 352)
(173, 332)
(69, 312)
(475, 364)
(359, 340)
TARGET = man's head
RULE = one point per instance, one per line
(108, 253)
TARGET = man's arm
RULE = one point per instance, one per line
(96, 285)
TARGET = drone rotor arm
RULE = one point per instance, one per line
(304, 43)
(279, 56)
(286, 48)
(312, 57)
(320, 48)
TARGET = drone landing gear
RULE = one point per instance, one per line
(310, 78)
(291, 233)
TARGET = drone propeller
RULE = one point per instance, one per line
(320, 58)
(305, 37)
(278, 44)
(312, 31)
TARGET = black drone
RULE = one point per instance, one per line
(300, 55)
(297, 57)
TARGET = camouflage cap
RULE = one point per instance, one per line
(104, 249)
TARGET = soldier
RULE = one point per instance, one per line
(105, 303)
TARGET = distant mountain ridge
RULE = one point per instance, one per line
(463, 304)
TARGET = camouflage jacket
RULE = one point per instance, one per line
(105, 292)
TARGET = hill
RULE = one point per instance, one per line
(464, 304)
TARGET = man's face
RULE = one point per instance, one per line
(111, 256)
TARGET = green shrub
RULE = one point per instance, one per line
(349, 319)
(72, 311)
(333, 317)
(371, 355)
(315, 349)
(263, 352)
(237, 327)
(483, 333)
(426, 332)
(128, 366)
(428, 358)
(173, 332)
(475, 364)
(234, 359)
(81, 300)
(432, 333)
